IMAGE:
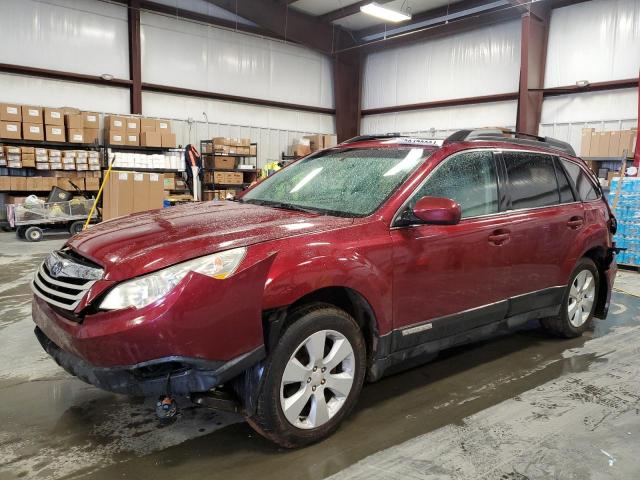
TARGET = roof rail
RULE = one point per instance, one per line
(364, 138)
(504, 135)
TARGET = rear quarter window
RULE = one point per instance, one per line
(585, 187)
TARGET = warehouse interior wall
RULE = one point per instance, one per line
(479, 62)
(440, 122)
(597, 41)
(69, 35)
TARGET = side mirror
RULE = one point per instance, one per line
(434, 211)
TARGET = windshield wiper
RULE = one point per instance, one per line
(283, 205)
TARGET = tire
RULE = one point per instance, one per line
(76, 227)
(578, 302)
(292, 414)
(33, 234)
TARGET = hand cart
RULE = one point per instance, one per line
(31, 220)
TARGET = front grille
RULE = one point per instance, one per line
(68, 288)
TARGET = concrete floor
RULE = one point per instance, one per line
(524, 406)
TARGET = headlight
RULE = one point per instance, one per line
(144, 290)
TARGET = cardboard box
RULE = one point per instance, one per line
(614, 144)
(42, 166)
(169, 182)
(151, 139)
(54, 153)
(10, 112)
(53, 116)
(604, 140)
(118, 195)
(54, 133)
(10, 130)
(141, 191)
(595, 144)
(253, 150)
(626, 143)
(90, 135)
(115, 123)
(91, 119)
(18, 184)
(70, 110)
(329, 141)
(132, 124)
(115, 137)
(32, 131)
(75, 135)
(132, 139)
(32, 114)
(74, 121)
(28, 160)
(27, 150)
(148, 125)
(92, 184)
(163, 126)
(301, 150)
(156, 191)
(5, 184)
(224, 162)
(315, 142)
(168, 139)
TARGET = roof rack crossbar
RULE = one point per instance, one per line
(364, 138)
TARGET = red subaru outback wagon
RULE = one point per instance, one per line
(344, 266)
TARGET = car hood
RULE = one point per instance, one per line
(144, 242)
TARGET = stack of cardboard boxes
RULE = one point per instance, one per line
(231, 146)
(136, 131)
(26, 122)
(607, 144)
(313, 143)
(49, 159)
(130, 192)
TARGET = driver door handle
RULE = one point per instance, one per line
(500, 237)
(575, 222)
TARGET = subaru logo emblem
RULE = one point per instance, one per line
(57, 268)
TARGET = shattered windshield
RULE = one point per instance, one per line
(350, 182)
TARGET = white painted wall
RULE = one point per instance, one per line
(595, 41)
(479, 62)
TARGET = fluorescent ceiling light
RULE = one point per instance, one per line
(387, 14)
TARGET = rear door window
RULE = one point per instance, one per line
(531, 179)
(583, 184)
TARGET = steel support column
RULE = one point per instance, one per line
(636, 160)
(347, 87)
(135, 60)
(533, 56)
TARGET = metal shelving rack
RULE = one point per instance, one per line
(248, 175)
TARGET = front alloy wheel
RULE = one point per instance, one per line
(311, 378)
(317, 379)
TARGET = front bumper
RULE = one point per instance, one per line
(175, 375)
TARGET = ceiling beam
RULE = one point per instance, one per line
(289, 23)
(423, 16)
(479, 20)
(347, 11)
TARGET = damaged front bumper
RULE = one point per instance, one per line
(178, 375)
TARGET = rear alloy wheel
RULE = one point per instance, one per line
(312, 378)
(578, 303)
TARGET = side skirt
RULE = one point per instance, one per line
(396, 352)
